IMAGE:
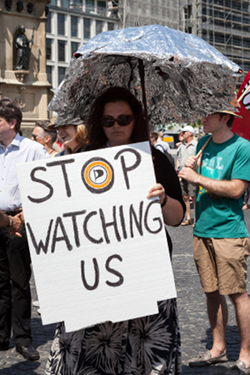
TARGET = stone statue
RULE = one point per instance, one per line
(22, 45)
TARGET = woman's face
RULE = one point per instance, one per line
(66, 133)
(118, 135)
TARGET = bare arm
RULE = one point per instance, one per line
(172, 210)
(222, 188)
(16, 223)
(4, 219)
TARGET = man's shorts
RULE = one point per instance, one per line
(187, 188)
(221, 264)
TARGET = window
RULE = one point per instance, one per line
(61, 24)
(49, 73)
(111, 26)
(99, 27)
(76, 5)
(48, 23)
(61, 74)
(74, 47)
(90, 5)
(48, 49)
(61, 50)
(101, 7)
(65, 4)
(74, 26)
(86, 28)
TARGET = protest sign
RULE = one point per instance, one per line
(97, 244)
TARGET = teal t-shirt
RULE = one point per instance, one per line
(221, 217)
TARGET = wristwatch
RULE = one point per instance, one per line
(10, 224)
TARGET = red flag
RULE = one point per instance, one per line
(242, 126)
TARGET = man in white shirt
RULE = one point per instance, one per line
(15, 272)
(187, 149)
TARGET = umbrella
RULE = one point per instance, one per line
(178, 76)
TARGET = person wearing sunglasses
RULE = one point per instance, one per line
(44, 136)
(140, 346)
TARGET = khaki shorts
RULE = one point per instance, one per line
(187, 188)
(221, 264)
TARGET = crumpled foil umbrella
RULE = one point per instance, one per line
(178, 77)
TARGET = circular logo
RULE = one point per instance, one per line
(98, 175)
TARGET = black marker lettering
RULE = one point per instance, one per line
(97, 275)
(155, 219)
(75, 227)
(85, 229)
(33, 178)
(114, 272)
(40, 246)
(122, 220)
(112, 223)
(133, 218)
(63, 163)
(132, 167)
(64, 237)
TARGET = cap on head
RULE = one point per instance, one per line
(58, 122)
(188, 128)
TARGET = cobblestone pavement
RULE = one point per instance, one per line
(195, 332)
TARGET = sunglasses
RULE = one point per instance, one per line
(34, 136)
(122, 120)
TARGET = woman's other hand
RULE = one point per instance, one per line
(157, 191)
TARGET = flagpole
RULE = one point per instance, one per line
(243, 94)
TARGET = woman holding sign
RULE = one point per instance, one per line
(142, 346)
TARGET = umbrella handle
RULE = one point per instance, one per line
(144, 99)
(133, 38)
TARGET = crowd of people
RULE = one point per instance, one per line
(213, 173)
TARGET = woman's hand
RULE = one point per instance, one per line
(172, 209)
(159, 191)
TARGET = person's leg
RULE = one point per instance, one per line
(184, 190)
(186, 201)
(216, 305)
(194, 203)
(218, 317)
(20, 272)
(5, 294)
(241, 303)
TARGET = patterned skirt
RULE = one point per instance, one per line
(143, 346)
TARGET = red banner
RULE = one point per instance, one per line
(242, 126)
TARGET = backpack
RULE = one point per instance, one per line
(166, 153)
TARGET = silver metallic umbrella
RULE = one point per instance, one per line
(177, 76)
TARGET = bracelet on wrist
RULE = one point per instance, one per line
(165, 200)
(10, 223)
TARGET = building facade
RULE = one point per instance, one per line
(71, 24)
(225, 24)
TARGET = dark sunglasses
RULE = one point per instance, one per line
(122, 120)
(34, 136)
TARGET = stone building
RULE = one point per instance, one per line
(23, 58)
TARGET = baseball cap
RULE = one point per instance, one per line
(188, 128)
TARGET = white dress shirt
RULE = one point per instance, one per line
(19, 151)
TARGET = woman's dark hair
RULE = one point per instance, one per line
(10, 110)
(97, 137)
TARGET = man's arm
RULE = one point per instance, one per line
(230, 189)
(14, 223)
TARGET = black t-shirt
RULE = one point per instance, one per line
(166, 175)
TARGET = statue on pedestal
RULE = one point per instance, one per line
(22, 45)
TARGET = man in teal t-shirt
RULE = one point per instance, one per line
(221, 244)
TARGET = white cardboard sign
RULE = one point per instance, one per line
(97, 244)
